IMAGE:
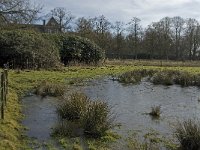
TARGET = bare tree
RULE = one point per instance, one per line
(18, 11)
(178, 31)
(166, 35)
(135, 30)
(192, 30)
(84, 27)
(150, 41)
(102, 31)
(63, 17)
(102, 25)
(118, 35)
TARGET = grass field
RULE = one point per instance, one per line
(11, 131)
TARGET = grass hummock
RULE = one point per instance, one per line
(79, 113)
(188, 134)
(166, 76)
(135, 76)
(47, 88)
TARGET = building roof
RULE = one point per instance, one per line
(52, 22)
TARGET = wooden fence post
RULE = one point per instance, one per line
(2, 96)
(5, 85)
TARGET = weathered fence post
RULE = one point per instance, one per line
(5, 85)
(2, 96)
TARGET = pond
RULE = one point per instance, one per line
(131, 104)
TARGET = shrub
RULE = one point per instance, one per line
(27, 49)
(76, 49)
(188, 134)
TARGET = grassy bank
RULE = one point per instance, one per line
(11, 131)
(166, 63)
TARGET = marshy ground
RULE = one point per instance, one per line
(131, 102)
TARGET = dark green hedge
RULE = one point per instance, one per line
(75, 48)
(27, 49)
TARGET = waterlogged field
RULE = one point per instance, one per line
(131, 102)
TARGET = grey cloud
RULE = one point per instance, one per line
(124, 10)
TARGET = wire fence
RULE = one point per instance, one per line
(3, 92)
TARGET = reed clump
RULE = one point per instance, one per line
(135, 76)
(97, 119)
(92, 117)
(170, 77)
(47, 88)
(163, 77)
(188, 134)
(74, 107)
(155, 111)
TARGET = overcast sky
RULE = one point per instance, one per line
(123, 10)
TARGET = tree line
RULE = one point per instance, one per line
(174, 38)
(169, 38)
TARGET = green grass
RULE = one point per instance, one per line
(11, 137)
(152, 140)
(11, 131)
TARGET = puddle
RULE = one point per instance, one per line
(40, 116)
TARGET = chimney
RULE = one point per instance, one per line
(44, 22)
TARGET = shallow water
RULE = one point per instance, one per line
(130, 102)
(40, 116)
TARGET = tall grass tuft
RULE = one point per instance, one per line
(135, 76)
(163, 77)
(169, 77)
(74, 107)
(93, 117)
(50, 89)
(97, 120)
(188, 134)
(185, 79)
(155, 111)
